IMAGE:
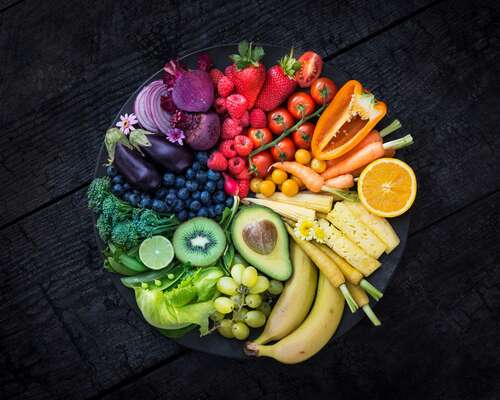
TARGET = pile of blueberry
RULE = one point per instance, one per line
(199, 192)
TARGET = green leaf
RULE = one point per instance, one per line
(257, 53)
(228, 258)
(243, 48)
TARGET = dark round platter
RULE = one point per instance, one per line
(214, 343)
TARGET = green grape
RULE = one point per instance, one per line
(255, 318)
(249, 277)
(227, 285)
(260, 286)
(224, 305)
(240, 331)
(240, 315)
(253, 300)
(236, 298)
(217, 316)
(275, 287)
(237, 272)
(265, 308)
(226, 328)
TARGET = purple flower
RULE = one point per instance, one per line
(176, 135)
(127, 122)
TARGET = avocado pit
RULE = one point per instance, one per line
(261, 236)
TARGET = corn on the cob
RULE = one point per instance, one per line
(319, 202)
(285, 210)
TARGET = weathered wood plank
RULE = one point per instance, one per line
(79, 62)
(439, 337)
(63, 323)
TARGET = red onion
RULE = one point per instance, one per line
(147, 107)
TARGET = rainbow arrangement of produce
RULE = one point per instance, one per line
(254, 197)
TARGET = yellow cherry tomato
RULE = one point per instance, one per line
(290, 187)
(318, 165)
(278, 176)
(299, 182)
(267, 188)
(302, 156)
(255, 185)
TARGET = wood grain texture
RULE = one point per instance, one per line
(89, 56)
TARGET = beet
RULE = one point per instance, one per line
(204, 131)
(193, 91)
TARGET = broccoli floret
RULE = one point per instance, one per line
(104, 227)
(99, 189)
(149, 223)
(125, 235)
(115, 209)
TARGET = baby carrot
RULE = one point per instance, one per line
(340, 182)
(365, 156)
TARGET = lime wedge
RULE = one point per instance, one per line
(156, 252)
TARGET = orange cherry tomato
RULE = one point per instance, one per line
(259, 136)
(302, 136)
(322, 90)
(301, 104)
(284, 150)
(279, 120)
(311, 68)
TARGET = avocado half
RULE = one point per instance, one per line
(261, 238)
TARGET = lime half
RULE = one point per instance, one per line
(156, 252)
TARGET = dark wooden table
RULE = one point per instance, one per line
(66, 67)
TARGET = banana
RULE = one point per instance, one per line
(313, 334)
(295, 301)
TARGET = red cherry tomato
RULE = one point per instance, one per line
(259, 136)
(279, 120)
(302, 136)
(261, 163)
(323, 90)
(312, 65)
(284, 150)
(301, 104)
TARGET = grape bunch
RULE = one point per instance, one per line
(244, 303)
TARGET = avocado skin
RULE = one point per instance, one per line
(277, 264)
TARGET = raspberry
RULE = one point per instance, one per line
(217, 161)
(245, 119)
(244, 187)
(225, 87)
(258, 118)
(236, 105)
(245, 174)
(229, 71)
(227, 148)
(243, 145)
(236, 165)
(230, 128)
(215, 74)
(220, 105)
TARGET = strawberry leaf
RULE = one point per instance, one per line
(243, 48)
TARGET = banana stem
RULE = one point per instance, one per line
(370, 289)
(348, 297)
(393, 126)
(371, 315)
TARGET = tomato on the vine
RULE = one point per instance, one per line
(284, 150)
(279, 120)
(311, 68)
(301, 104)
(261, 163)
(323, 90)
(259, 136)
(303, 135)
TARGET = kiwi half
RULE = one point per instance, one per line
(200, 241)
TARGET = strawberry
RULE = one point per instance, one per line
(258, 118)
(227, 148)
(236, 165)
(244, 187)
(236, 105)
(225, 87)
(243, 145)
(215, 74)
(230, 128)
(217, 161)
(280, 83)
(245, 119)
(249, 73)
(245, 174)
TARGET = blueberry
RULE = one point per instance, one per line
(172, 192)
(117, 188)
(178, 205)
(219, 208)
(195, 205)
(196, 166)
(213, 175)
(170, 198)
(195, 196)
(126, 186)
(220, 184)
(229, 202)
(111, 171)
(168, 179)
(126, 196)
(133, 199)
(201, 177)
(192, 186)
(180, 182)
(211, 212)
(182, 215)
(190, 173)
(183, 194)
(205, 197)
(117, 179)
(210, 186)
(202, 212)
(158, 205)
(161, 193)
(191, 214)
(146, 203)
(202, 157)
(219, 197)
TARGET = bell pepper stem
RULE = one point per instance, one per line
(399, 143)
(370, 289)
(348, 297)
(371, 315)
(392, 127)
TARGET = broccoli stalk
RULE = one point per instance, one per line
(149, 223)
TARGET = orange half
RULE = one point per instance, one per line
(387, 187)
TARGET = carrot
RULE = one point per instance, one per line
(365, 156)
(341, 182)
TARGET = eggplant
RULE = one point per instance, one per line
(158, 149)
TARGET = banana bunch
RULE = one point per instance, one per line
(300, 333)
